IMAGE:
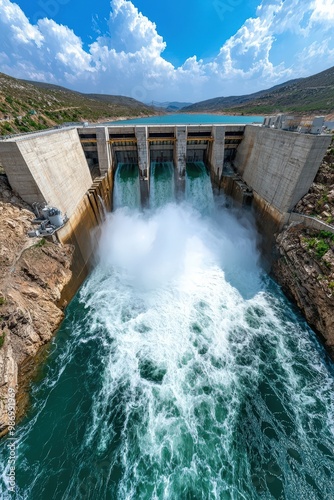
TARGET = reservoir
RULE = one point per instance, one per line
(180, 371)
(191, 119)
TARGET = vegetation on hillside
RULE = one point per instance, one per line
(29, 106)
(314, 94)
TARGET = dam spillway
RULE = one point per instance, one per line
(180, 371)
(126, 186)
(162, 185)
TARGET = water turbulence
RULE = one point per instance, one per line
(162, 188)
(127, 186)
(198, 187)
(174, 377)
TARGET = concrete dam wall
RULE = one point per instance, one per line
(279, 166)
(49, 167)
(73, 169)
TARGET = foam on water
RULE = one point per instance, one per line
(177, 377)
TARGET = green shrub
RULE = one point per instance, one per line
(321, 243)
(326, 234)
(321, 248)
(311, 242)
(7, 126)
(2, 339)
(41, 243)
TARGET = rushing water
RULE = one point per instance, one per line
(127, 187)
(198, 187)
(162, 185)
(180, 372)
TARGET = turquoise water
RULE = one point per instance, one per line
(191, 119)
(198, 187)
(126, 186)
(180, 372)
(162, 184)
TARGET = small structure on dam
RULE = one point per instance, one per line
(73, 168)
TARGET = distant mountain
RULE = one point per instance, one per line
(27, 105)
(171, 106)
(314, 94)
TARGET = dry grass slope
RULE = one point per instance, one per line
(311, 95)
(28, 106)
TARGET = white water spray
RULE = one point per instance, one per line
(199, 380)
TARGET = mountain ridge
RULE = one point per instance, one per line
(27, 106)
(312, 94)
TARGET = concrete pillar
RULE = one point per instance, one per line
(144, 171)
(181, 149)
(218, 148)
(141, 135)
(103, 149)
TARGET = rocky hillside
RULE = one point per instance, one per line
(305, 267)
(319, 202)
(33, 274)
(314, 94)
(28, 106)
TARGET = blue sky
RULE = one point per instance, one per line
(176, 50)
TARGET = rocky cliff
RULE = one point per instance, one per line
(305, 267)
(305, 270)
(33, 274)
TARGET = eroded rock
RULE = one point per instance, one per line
(32, 277)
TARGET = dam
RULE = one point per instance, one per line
(181, 370)
(74, 169)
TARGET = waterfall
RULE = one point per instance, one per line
(127, 186)
(162, 189)
(198, 187)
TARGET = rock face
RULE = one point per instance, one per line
(305, 267)
(319, 201)
(306, 274)
(33, 274)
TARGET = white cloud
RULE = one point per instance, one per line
(16, 26)
(64, 46)
(283, 41)
(323, 11)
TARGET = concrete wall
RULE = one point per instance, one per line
(309, 222)
(280, 166)
(141, 133)
(19, 175)
(82, 230)
(181, 148)
(103, 150)
(49, 168)
(218, 149)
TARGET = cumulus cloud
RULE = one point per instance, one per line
(286, 39)
(323, 11)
